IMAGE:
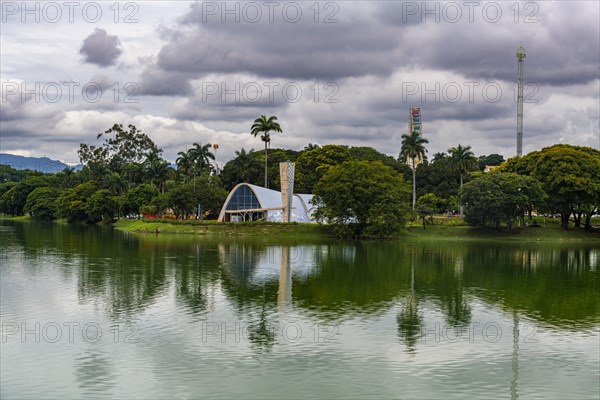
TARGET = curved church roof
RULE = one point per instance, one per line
(306, 200)
(245, 197)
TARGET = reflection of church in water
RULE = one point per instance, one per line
(252, 265)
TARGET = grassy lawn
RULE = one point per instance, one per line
(21, 218)
(454, 230)
(547, 233)
(261, 229)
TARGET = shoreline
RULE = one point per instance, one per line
(520, 234)
(295, 230)
(213, 228)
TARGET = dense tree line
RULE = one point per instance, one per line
(495, 198)
(124, 175)
(569, 175)
(359, 190)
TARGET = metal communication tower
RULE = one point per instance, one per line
(520, 77)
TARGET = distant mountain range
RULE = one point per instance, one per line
(42, 164)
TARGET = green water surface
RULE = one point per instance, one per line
(90, 312)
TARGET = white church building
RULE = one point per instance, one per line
(248, 202)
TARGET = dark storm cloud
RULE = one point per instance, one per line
(491, 55)
(300, 59)
(376, 39)
(17, 115)
(562, 43)
(226, 101)
(394, 109)
(100, 48)
(370, 52)
(154, 82)
(303, 50)
(197, 111)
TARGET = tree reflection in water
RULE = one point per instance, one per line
(124, 274)
(409, 319)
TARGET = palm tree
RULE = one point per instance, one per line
(96, 171)
(263, 126)
(133, 173)
(157, 169)
(115, 183)
(185, 163)
(463, 160)
(201, 156)
(438, 157)
(246, 165)
(67, 175)
(413, 148)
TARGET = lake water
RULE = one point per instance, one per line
(90, 312)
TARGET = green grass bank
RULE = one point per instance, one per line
(548, 233)
(278, 231)
(256, 229)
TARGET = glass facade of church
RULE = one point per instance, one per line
(243, 199)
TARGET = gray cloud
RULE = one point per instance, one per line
(303, 50)
(377, 39)
(154, 82)
(196, 110)
(370, 52)
(100, 48)
(18, 115)
(238, 97)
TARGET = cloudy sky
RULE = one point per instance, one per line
(333, 72)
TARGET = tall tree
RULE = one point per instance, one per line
(363, 198)
(439, 157)
(115, 183)
(133, 173)
(67, 177)
(201, 156)
(185, 163)
(490, 160)
(311, 165)
(264, 126)
(462, 160)
(570, 175)
(413, 148)
(95, 161)
(137, 198)
(121, 148)
(125, 146)
(498, 197)
(243, 168)
(13, 200)
(41, 203)
(157, 170)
